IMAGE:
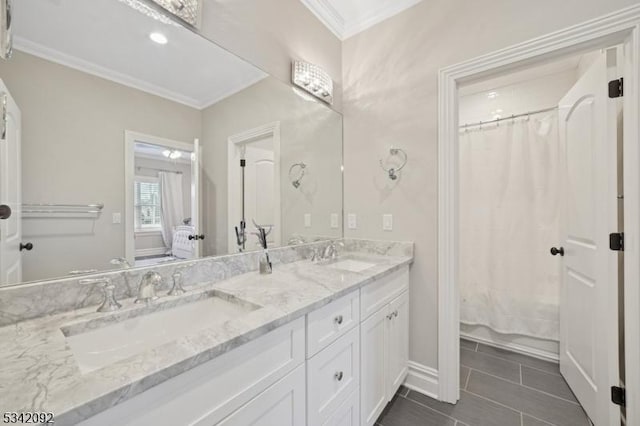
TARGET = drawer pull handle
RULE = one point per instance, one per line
(338, 376)
(338, 320)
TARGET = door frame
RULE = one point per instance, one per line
(267, 130)
(621, 27)
(130, 139)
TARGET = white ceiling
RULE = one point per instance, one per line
(348, 17)
(109, 39)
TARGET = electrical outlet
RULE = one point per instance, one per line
(307, 220)
(116, 218)
(334, 221)
(387, 222)
(352, 221)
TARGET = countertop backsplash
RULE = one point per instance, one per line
(41, 298)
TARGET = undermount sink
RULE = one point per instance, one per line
(95, 348)
(351, 265)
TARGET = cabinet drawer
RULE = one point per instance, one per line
(328, 323)
(209, 392)
(332, 375)
(377, 294)
(348, 414)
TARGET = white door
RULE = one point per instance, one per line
(10, 189)
(588, 305)
(283, 404)
(373, 366)
(398, 343)
(195, 195)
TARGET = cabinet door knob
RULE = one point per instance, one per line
(27, 247)
(395, 313)
(338, 320)
(5, 212)
(338, 376)
(556, 251)
(390, 316)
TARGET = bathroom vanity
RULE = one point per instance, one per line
(314, 343)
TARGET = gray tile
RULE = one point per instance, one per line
(530, 421)
(464, 374)
(471, 410)
(546, 382)
(402, 412)
(490, 364)
(468, 345)
(548, 366)
(529, 401)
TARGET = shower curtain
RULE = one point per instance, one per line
(509, 218)
(171, 204)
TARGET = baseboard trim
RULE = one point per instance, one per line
(514, 347)
(151, 252)
(422, 379)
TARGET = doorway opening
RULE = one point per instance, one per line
(589, 271)
(162, 201)
(538, 151)
(254, 188)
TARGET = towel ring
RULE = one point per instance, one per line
(393, 172)
(296, 179)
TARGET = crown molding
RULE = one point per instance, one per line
(78, 64)
(343, 29)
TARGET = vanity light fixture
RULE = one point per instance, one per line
(158, 38)
(149, 11)
(313, 79)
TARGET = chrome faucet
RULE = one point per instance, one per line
(109, 302)
(177, 289)
(147, 287)
(330, 252)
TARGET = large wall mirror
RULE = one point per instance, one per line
(150, 145)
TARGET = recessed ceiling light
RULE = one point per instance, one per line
(158, 38)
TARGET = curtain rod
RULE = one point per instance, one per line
(160, 170)
(511, 117)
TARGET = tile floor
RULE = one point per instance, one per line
(497, 388)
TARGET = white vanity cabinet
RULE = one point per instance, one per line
(338, 366)
(384, 343)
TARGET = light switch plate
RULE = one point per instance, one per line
(307, 220)
(352, 221)
(116, 218)
(334, 221)
(387, 222)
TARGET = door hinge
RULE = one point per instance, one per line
(618, 395)
(616, 241)
(616, 88)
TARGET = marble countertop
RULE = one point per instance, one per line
(38, 371)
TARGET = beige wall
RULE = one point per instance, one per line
(390, 98)
(270, 33)
(73, 152)
(309, 132)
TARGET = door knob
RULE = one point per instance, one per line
(556, 251)
(196, 237)
(27, 247)
(5, 212)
